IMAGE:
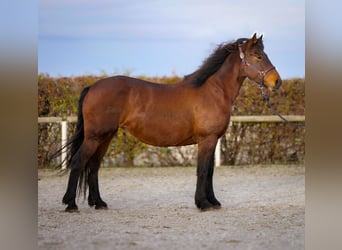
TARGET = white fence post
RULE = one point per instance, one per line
(64, 140)
(241, 119)
(218, 153)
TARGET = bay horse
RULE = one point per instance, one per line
(194, 111)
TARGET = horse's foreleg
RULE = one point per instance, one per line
(204, 193)
(209, 188)
(94, 164)
(78, 163)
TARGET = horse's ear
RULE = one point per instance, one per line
(252, 41)
(254, 38)
(260, 38)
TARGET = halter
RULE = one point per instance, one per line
(262, 88)
(261, 73)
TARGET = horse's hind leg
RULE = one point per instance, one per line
(94, 164)
(78, 163)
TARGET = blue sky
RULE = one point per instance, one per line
(158, 38)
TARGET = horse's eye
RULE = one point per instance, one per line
(259, 57)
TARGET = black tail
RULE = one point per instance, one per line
(75, 142)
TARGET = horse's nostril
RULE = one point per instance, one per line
(278, 83)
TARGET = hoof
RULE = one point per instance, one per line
(207, 209)
(204, 205)
(215, 202)
(207, 206)
(216, 207)
(91, 203)
(101, 205)
(212, 207)
(72, 209)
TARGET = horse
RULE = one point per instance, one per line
(195, 110)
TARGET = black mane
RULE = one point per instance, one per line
(213, 63)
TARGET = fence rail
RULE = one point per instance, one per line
(234, 119)
(53, 119)
(248, 118)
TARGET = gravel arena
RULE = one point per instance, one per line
(263, 207)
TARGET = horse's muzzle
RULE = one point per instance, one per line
(278, 84)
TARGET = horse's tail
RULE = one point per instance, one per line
(74, 143)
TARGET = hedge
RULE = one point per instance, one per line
(244, 143)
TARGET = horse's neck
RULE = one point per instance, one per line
(228, 77)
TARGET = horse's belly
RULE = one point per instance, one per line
(163, 140)
(162, 132)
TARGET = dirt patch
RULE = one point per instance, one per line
(153, 208)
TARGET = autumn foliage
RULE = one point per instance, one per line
(244, 143)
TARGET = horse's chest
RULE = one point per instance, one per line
(212, 123)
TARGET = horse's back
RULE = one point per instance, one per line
(118, 89)
(157, 114)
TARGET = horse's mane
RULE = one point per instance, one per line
(213, 63)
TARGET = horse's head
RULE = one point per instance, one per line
(256, 65)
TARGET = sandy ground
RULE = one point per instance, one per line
(153, 208)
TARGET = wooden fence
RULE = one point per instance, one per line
(234, 119)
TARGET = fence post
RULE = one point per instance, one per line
(64, 140)
(218, 153)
